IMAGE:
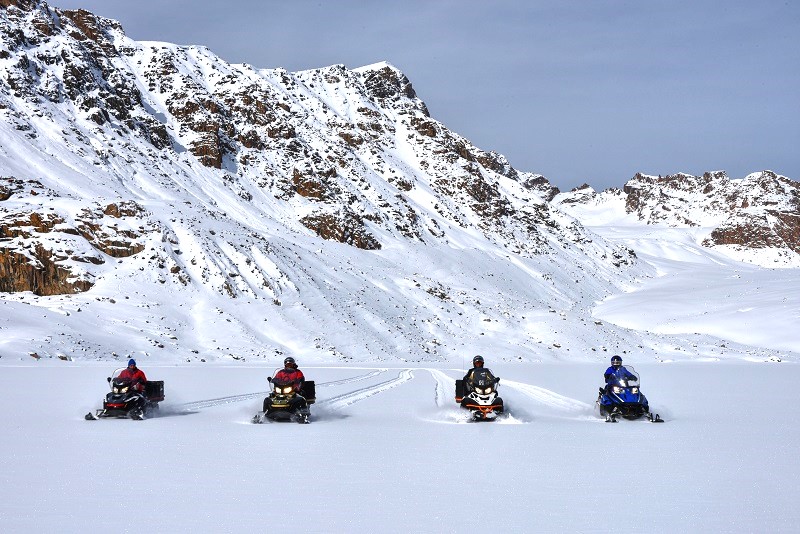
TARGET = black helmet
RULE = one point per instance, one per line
(616, 361)
(289, 362)
(477, 360)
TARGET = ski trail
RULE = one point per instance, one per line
(346, 399)
(351, 379)
(443, 384)
(549, 398)
(199, 405)
(209, 403)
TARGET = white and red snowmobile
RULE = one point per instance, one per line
(480, 397)
(124, 402)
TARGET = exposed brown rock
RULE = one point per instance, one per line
(25, 5)
(40, 274)
(344, 227)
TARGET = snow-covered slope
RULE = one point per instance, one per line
(157, 201)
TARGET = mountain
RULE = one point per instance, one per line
(755, 219)
(160, 202)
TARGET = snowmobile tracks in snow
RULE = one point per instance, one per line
(346, 399)
(550, 398)
(210, 403)
(352, 379)
(444, 384)
(199, 405)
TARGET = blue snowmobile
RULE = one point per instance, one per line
(622, 397)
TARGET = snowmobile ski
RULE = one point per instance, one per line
(654, 418)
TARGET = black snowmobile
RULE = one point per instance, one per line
(285, 405)
(125, 402)
(622, 397)
(481, 399)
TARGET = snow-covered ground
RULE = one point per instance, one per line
(389, 452)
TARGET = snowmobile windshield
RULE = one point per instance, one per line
(482, 378)
(120, 385)
(116, 373)
(283, 387)
(625, 377)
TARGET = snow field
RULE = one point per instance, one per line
(383, 454)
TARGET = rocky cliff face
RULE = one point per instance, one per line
(757, 213)
(760, 211)
(325, 144)
(328, 204)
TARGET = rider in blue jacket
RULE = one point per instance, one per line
(617, 371)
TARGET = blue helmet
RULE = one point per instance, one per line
(616, 361)
(132, 362)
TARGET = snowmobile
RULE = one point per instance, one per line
(622, 397)
(481, 399)
(125, 402)
(284, 404)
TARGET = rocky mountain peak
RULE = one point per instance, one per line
(758, 212)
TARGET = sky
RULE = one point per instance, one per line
(581, 92)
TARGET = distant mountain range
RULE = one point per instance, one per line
(755, 219)
(234, 197)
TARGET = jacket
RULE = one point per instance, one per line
(477, 374)
(290, 375)
(136, 376)
(618, 372)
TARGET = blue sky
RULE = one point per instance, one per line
(582, 92)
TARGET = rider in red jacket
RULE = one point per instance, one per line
(135, 375)
(290, 373)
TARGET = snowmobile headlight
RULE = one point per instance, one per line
(617, 389)
(284, 390)
(121, 390)
(634, 390)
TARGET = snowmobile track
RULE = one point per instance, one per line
(550, 398)
(210, 403)
(199, 405)
(346, 399)
(352, 378)
(443, 384)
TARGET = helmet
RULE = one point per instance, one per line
(131, 362)
(289, 362)
(477, 360)
(616, 361)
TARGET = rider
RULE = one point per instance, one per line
(138, 381)
(617, 371)
(291, 374)
(135, 375)
(478, 372)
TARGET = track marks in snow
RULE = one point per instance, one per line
(443, 384)
(444, 395)
(551, 399)
(351, 379)
(346, 399)
(210, 403)
(199, 405)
